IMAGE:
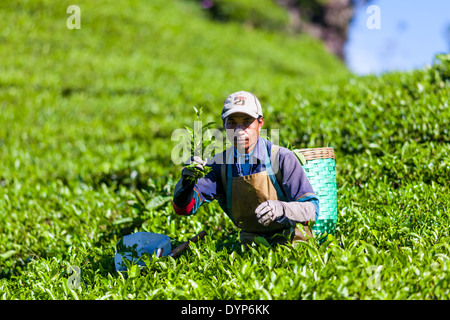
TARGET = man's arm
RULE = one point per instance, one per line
(185, 199)
(189, 196)
(302, 204)
(287, 213)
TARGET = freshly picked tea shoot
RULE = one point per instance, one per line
(299, 155)
(201, 145)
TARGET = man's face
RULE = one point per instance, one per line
(243, 131)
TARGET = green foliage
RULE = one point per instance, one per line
(85, 158)
(442, 63)
(199, 146)
(311, 10)
(264, 14)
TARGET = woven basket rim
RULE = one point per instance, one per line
(317, 153)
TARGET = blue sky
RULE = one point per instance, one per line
(411, 33)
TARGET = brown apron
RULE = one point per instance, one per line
(247, 193)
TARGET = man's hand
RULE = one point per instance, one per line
(271, 210)
(268, 211)
(194, 164)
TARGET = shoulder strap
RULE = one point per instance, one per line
(275, 163)
(275, 160)
(223, 173)
(223, 168)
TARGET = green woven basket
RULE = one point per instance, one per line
(320, 168)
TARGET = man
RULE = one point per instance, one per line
(260, 186)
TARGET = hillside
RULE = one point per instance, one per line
(87, 121)
(138, 68)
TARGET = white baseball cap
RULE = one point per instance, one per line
(242, 101)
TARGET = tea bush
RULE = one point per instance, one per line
(85, 157)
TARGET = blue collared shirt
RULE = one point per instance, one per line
(243, 159)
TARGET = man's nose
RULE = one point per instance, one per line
(240, 127)
(239, 131)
